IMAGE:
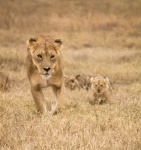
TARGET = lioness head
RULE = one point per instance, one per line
(45, 53)
(99, 84)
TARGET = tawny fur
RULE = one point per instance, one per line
(44, 69)
(100, 87)
(84, 81)
(71, 83)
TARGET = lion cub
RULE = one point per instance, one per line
(100, 87)
(71, 83)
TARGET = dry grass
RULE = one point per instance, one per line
(99, 38)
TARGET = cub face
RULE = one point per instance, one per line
(99, 84)
(45, 54)
(71, 83)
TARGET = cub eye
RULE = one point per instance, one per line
(101, 85)
(96, 85)
(72, 81)
(52, 56)
(39, 56)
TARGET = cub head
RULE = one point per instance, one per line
(99, 84)
(71, 83)
(45, 54)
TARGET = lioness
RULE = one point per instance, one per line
(71, 83)
(44, 69)
(100, 87)
(4, 82)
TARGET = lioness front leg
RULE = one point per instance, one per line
(58, 102)
(39, 99)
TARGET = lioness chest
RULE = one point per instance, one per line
(45, 81)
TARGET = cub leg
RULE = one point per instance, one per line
(106, 95)
(95, 98)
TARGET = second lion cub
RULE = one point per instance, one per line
(100, 86)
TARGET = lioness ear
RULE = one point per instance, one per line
(31, 43)
(57, 44)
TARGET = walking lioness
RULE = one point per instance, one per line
(44, 69)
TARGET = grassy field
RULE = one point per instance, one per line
(99, 37)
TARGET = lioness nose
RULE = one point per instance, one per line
(46, 69)
(98, 91)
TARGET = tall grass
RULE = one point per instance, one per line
(99, 37)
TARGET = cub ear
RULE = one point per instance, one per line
(107, 81)
(31, 42)
(57, 44)
(91, 80)
(72, 80)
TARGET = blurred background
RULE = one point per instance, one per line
(92, 31)
(78, 22)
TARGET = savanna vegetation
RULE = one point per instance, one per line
(99, 37)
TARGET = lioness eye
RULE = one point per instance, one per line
(39, 56)
(95, 85)
(101, 85)
(52, 56)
